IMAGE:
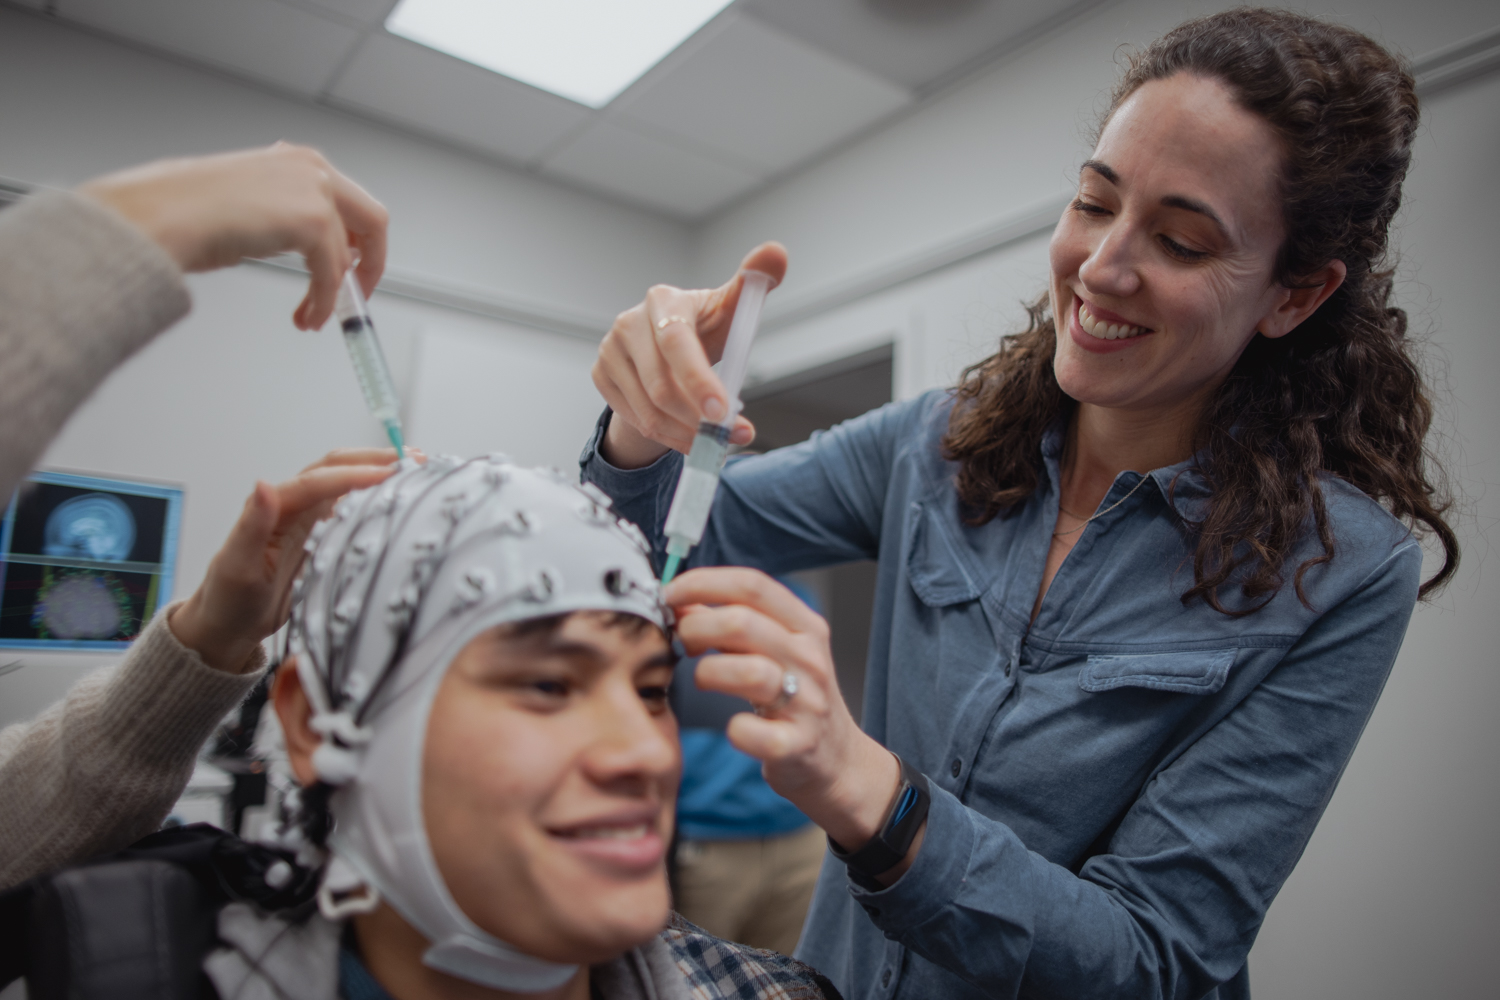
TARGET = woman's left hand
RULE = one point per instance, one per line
(814, 752)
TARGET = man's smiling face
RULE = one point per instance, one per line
(549, 781)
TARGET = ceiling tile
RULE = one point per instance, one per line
(433, 93)
(650, 172)
(912, 42)
(260, 38)
(363, 11)
(759, 96)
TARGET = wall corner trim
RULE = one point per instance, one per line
(1454, 64)
(474, 299)
(418, 287)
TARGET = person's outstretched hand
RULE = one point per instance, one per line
(246, 594)
(755, 632)
(210, 212)
(654, 366)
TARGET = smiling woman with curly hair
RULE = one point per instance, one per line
(1143, 572)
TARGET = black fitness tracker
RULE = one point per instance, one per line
(907, 813)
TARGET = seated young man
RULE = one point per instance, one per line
(476, 708)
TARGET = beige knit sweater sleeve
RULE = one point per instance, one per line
(102, 767)
(80, 291)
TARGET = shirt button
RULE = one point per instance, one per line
(1007, 668)
(885, 978)
(957, 768)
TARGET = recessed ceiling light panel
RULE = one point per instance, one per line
(585, 50)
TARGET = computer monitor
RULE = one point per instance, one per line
(85, 561)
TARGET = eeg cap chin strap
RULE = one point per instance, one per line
(397, 582)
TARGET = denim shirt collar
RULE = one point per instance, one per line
(1181, 484)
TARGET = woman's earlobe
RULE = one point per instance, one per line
(1304, 299)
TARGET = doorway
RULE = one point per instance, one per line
(787, 411)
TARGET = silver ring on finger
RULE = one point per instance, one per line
(667, 321)
(789, 687)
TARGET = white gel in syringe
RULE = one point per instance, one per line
(369, 360)
(688, 514)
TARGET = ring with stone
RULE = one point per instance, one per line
(667, 321)
(788, 692)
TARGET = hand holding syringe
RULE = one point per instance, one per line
(369, 360)
(700, 473)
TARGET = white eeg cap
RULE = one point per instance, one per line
(397, 582)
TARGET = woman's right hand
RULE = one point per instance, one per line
(654, 366)
(210, 212)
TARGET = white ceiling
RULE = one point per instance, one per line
(763, 88)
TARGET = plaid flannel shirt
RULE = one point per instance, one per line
(722, 970)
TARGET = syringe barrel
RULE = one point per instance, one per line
(694, 498)
(364, 350)
(370, 367)
(736, 359)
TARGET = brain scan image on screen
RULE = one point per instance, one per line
(93, 526)
(85, 561)
(82, 606)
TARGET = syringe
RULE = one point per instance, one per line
(369, 360)
(688, 514)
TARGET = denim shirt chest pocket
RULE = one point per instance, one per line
(1193, 672)
(939, 569)
(1096, 724)
(943, 635)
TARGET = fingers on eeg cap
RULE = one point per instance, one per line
(452, 547)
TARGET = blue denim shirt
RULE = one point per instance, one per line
(1119, 788)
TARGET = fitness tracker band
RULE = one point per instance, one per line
(907, 813)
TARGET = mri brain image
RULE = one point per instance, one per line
(84, 561)
(93, 526)
(82, 606)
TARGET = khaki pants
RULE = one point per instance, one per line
(753, 891)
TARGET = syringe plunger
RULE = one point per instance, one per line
(735, 362)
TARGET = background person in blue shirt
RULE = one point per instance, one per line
(747, 859)
(1142, 574)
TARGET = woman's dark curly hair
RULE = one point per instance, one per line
(1340, 395)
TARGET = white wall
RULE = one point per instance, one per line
(526, 394)
(1395, 897)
